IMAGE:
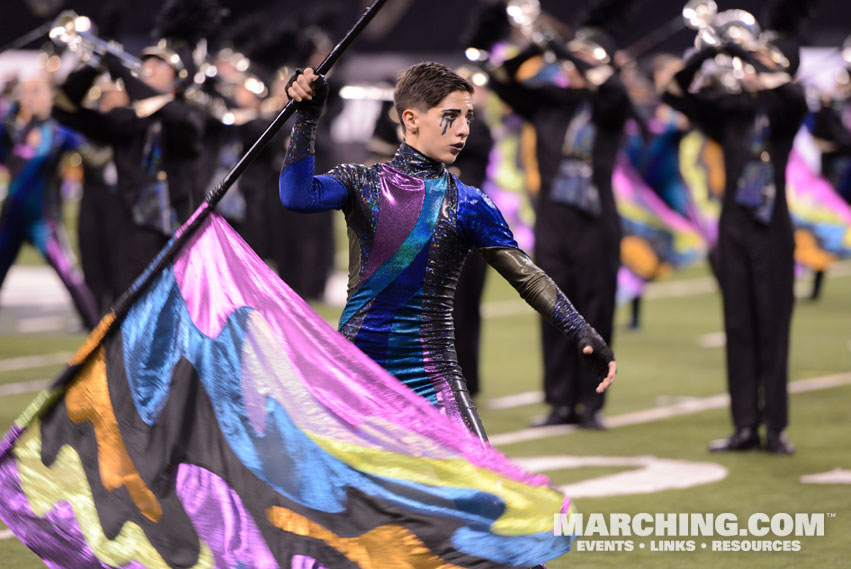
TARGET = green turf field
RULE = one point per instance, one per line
(661, 364)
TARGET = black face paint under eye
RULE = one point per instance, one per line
(446, 122)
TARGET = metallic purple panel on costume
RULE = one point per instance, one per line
(40, 534)
(399, 204)
(221, 520)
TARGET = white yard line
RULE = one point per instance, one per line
(28, 362)
(41, 324)
(835, 476)
(24, 387)
(40, 286)
(686, 407)
(516, 400)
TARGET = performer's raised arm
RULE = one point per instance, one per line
(299, 189)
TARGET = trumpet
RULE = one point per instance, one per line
(75, 32)
(716, 28)
(526, 15)
(699, 14)
(730, 26)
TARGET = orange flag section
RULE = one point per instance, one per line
(88, 400)
(385, 547)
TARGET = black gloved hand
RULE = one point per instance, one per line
(314, 106)
(601, 354)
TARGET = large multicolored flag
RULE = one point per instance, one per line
(222, 423)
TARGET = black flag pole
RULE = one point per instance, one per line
(121, 306)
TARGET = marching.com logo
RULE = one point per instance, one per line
(691, 525)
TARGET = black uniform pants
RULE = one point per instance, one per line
(98, 231)
(139, 245)
(756, 271)
(582, 255)
(302, 246)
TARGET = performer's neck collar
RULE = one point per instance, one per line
(412, 162)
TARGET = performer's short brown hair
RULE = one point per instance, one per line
(424, 85)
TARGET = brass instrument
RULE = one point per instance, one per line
(526, 16)
(698, 14)
(523, 15)
(730, 26)
(75, 32)
(739, 27)
(717, 28)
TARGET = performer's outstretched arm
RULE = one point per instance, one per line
(298, 188)
(486, 231)
(542, 294)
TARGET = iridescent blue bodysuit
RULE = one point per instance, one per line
(411, 224)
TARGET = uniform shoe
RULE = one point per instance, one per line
(593, 421)
(777, 443)
(558, 416)
(743, 439)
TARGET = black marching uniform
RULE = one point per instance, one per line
(257, 182)
(221, 149)
(755, 243)
(155, 143)
(577, 228)
(98, 224)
